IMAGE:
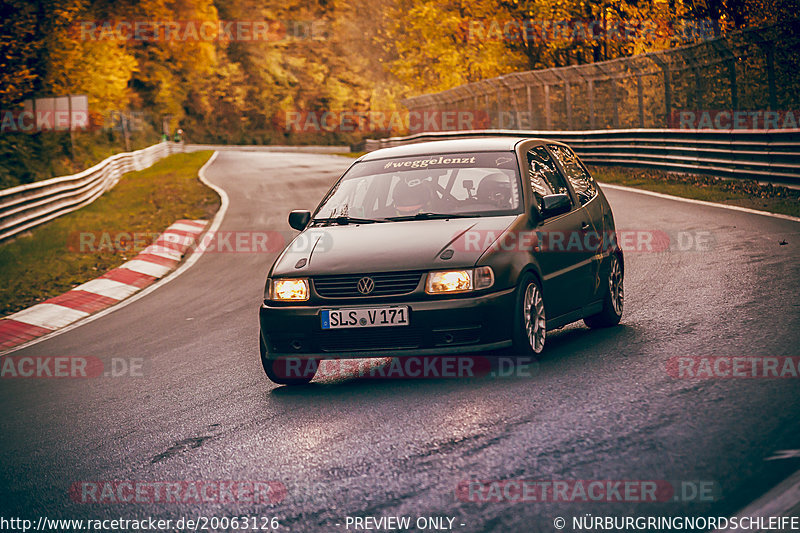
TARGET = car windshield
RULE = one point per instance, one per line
(411, 188)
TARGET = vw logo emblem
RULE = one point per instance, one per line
(365, 285)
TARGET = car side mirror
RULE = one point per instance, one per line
(299, 219)
(555, 204)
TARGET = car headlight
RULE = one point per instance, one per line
(450, 281)
(289, 289)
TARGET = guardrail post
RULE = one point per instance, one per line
(773, 98)
(640, 97)
(768, 47)
(497, 105)
(530, 103)
(71, 130)
(547, 120)
(730, 60)
(615, 100)
(568, 97)
(698, 87)
(667, 87)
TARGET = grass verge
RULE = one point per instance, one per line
(46, 262)
(743, 193)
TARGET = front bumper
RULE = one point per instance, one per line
(437, 327)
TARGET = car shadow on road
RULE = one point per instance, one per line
(578, 339)
(390, 376)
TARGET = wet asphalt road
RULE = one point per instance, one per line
(600, 405)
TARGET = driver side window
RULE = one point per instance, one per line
(545, 178)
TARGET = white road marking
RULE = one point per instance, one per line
(699, 202)
(50, 316)
(784, 454)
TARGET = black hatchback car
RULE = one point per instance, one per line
(445, 247)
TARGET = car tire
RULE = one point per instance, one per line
(276, 368)
(613, 297)
(530, 324)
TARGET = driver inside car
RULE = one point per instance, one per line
(495, 189)
(412, 195)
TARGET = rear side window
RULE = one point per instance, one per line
(544, 176)
(578, 176)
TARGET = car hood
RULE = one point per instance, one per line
(389, 246)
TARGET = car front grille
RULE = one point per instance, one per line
(386, 284)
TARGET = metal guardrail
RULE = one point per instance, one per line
(766, 155)
(26, 206)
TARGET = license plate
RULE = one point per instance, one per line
(364, 317)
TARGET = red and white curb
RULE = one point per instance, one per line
(150, 264)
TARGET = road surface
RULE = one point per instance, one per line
(600, 405)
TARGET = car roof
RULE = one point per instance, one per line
(472, 144)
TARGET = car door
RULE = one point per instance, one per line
(564, 281)
(591, 218)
